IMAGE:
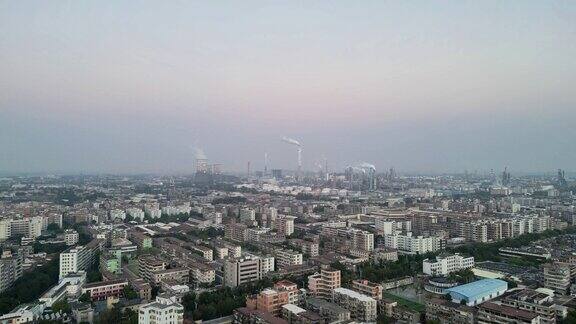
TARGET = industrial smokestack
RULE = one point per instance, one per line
(296, 143)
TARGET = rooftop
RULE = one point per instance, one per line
(353, 294)
(478, 287)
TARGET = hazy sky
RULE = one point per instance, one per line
(134, 86)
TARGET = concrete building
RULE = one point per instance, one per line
(362, 240)
(5, 229)
(446, 263)
(558, 277)
(322, 284)
(78, 258)
(287, 258)
(494, 313)
(285, 225)
(535, 302)
(447, 312)
(71, 237)
(361, 307)
(412, 244)
(161, 311)
(271, 300)
(243, 270)
(368, 288)
(117, 214)
(330, 311)
(105, 289)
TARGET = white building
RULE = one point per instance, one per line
(446, 263)
(361, 307)
(35, 229)
(412, 244)
(161, 311)
(136, 213)
(117, 214)
(285, 225)
(5, 229)
(287, 258)
(246, 269)
(71, 237)
(384, 226)
(79, 258)
(152, 211)
(362, 240)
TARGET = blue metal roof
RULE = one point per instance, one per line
(477, 288)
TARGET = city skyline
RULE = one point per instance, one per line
(128, 87)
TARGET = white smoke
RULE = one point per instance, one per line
(367, 165)
(291, 141)
(199, 153)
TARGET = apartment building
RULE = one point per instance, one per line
(201, 273)
(287, 258)
(285, 225)
(490, 312)
(535, 302)
(362, 240)
(322, 284)
(10, 270)
(445, 311)
(368, 288)
(558, 277)
(79, 258)
(271, 300)
(361, 307)
(246, 269)
(179, 275)
(148, 265)
(412, 244)
(143, 241)
(161, 311)
(105, 289)
(71, 237)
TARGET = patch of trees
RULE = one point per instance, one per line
(222, 302)
(30, 286)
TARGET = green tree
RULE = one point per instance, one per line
(62, 306)
(85, 298)
(129, 293)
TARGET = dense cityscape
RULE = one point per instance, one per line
(287, 162)
(274, 246)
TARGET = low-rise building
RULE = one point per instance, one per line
(477, 292)
(161, 311)
(368, 288)
(444, 311)
(446, 263)
(105, 289)
(71, 237)
(490, 312)
(361, 307)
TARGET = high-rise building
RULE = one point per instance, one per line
(78, 258)
(285, 225)
(244, 270)
(5, 229)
